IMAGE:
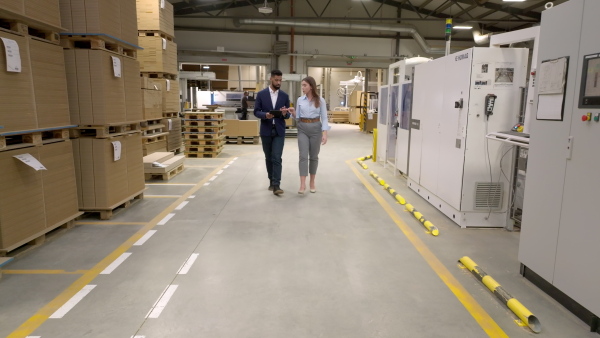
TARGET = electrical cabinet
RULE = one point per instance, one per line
(457, 99)
(560, 232)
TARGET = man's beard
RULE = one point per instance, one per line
(275, 86)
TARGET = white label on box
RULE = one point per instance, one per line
(116, 66)
(164, 43)
(162, 3)
(117, 148)
(30, 161)
(13, 55)
(170, 122)
(168, 85)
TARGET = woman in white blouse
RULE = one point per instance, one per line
(311, 117)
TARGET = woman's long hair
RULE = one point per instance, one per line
(313, 90)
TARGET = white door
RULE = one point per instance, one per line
(381, 123)
(392, 122)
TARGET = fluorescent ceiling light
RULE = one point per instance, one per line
(205, 67)
(513, 0)
(462, 27)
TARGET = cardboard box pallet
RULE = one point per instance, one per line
(159, 55)
(243, 128)
(163, 164)
(97, 95)
(109, 171)
(34, 202)
(112, 17)
(175, 137)
(45, 12)
(35, 96)
(155, 16)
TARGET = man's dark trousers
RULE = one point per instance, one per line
(273, 148)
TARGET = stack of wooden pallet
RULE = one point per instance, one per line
(38, 190)
(159, 69)
(203, 134)
(103, 77)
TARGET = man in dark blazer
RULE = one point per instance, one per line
(272, 130)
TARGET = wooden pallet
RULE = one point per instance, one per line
(209, 142)
(204, 129)
(100, 42)
(156, 33)
(154, 138)
(204, 116)
(204, 148)
(202, 136)
(106, 131)
(201, 155)
(157, 75)
(47, 34)
(243, 139)
(25, 139)
(107, 213)
(170, 114)
(166, 176)
(202, 123)
(39, 238)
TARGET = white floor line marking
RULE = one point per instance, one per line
(63, 310)
(225, 167)
(162, 302)
(182, 205)
(144, 238)
(193, 196)
(219, 172)
(109, 269)
(185, 268)
(205, 184)
(213, 178)
(166, 219)
(33, 337)
(168, 184)
(235, 158)
(165, 196)
(231, 162)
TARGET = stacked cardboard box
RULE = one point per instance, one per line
(204, 134)
(106, 101)
(110, 171)
(34, 122)
(158, 64)
(241, 131)
(174, 139)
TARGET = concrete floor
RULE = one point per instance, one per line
(344, 262)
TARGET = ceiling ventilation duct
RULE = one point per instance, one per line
(409, 29)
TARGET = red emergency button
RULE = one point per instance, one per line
(586, 117)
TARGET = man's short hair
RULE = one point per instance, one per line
(276, 72)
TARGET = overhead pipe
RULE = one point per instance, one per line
(398, 28)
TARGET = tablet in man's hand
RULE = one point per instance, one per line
(276, 113)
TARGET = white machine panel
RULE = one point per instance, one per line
(449, 153)
(560, 232)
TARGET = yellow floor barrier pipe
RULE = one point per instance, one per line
(365, 158)
(419, 216)
(389, 189)
(513, 304)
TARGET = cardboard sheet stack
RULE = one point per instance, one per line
(163, 165)
(105, 101)
(204, 134)
(37, 182)
(160, 87)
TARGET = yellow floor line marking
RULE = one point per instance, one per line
(44, 272)
(110, 223)
(479, 314)
(200, 166)
(35, 321)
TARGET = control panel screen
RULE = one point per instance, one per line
(589, 96)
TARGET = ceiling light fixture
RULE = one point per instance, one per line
(462, 27)
(513, 0)
(266, 9)
(205, 67)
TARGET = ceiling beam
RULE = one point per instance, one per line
(194, 7)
